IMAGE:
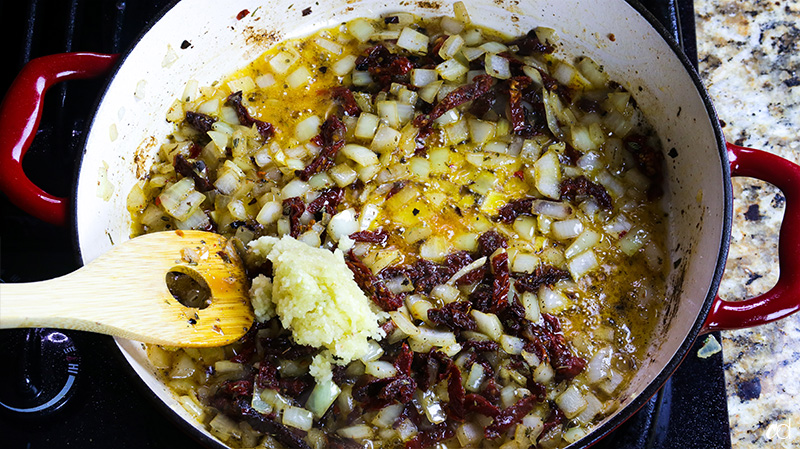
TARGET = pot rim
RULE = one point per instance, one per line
(628, 409)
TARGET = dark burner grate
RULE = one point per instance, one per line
(107, 407)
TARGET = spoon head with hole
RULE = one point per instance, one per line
(199, 289)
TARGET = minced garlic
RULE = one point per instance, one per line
(315, 297)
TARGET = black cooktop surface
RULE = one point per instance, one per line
(69, 389)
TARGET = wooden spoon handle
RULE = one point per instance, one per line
(124, 293)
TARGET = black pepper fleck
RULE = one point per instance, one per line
(185, 45)
(673, 152)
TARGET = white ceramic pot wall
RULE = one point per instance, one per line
(130, 124)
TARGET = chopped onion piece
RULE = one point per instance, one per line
(297, 417)
(451, 46)
(343, 223)
(472, 266)
(361, 29)
(322, 397)
(299, 77)
(451, 70)
(488, 323)
(571, 402)
(357, 432)
(344, 65)
(566, 229)
(582, 263)
(283, 61)
(413, 41)
(552, 301)
(588, 239)
(359, 154)
(380, 369)
(497, 66)
(547, 175)
(530, 302)
(307, 128)
(598, 368)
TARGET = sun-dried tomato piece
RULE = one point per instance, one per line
(513, 209)
(530, 44)
(489, 242)
(516, 112)
(572, 188)
(553, 85)
(331, 138)
(542, 275)
(456, 392)
(571, 155)
(380, 236)
(372, 286)
(478, 404)
(481, 345)
(235, 100)
(425, 275)
(404, 359)
(501, 283)
(482, 104)
(589, 105)
(510, 416)
(195, 170)
(565, 364)
(431, 436)
(328, 199)
(267, 376)
(344, 97)
(480, 85)
(376, 393)
(200, 122)
(384, 66)
(454, 315)
(555, 418)
(294, 208)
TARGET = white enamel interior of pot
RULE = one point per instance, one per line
(636, 57)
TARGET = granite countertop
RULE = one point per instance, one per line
(749, 59)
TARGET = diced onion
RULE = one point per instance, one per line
(322, 397)
(582, 263)
(380, 369)
(343, 223)
(551, 300)
(571, 402)
(307, 128)
(488, 323)
(497, 66)
(599, 366)
(566, 229)
(297, 417)
(547, 175)
(360, 154)
(413, 41)
(451, 70)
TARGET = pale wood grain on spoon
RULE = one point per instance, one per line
(124, 293)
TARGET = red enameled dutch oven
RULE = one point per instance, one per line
(129, 122)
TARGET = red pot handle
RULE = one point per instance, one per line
(784, 298)
(20, 114)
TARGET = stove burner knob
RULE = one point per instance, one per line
(42, 372)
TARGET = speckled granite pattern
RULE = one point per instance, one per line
(749, 59)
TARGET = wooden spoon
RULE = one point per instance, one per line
(125, 293)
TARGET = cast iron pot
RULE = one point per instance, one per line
(207, 39)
